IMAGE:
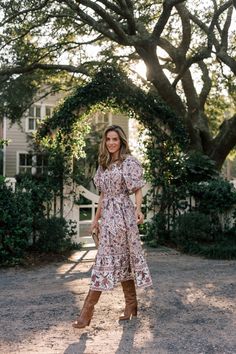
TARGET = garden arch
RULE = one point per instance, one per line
(110, 89)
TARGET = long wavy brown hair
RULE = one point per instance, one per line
(105, 158)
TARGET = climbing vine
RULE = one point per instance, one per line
(110, 89)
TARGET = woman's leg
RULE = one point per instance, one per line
(86, 313)
(131, 304)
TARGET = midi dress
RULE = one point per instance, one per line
(119, 256)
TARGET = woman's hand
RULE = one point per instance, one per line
(138, 202)
(139, 217)
(94, 225)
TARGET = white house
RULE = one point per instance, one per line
(18, 156)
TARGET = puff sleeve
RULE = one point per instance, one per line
(133, 174)
(98, 179)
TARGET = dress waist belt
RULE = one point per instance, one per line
(113, 218)
(115, 197)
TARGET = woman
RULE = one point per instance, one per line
(119, 257)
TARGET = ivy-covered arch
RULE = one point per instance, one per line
(110, 88)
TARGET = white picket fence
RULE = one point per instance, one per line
(76, 211)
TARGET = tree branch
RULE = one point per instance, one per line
(207, 84)
(219, 11)
(226, 59)
(186, 28)
(210, 30)
(90, 21)
(27, 69)
(225, 32)
(197, 121)
(203, 54)
(156, 75)
(22, 35)
(163, 19)
(190, 91)
(168, 47)
(214, 22)
(129, 14)
(205, 29)
(220, 50)
(112, 7)
(224, 142)
(215, 9)
(114, 25)
(126, 12)
(24, 12)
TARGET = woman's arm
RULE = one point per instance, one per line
(138, 203)
(98, 213)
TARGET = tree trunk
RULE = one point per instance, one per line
(194, 117)
(224, 142)
(147, 51)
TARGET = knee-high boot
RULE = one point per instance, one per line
(86, 313)
(131, 304)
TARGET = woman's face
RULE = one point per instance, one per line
(113, 143)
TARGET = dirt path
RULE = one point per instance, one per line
(191, 309)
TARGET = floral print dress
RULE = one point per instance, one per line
(120, 255)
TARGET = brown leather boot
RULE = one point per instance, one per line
(131, 304)
(87, 311)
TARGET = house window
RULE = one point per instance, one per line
(32, 163)
(41, 164)
(25, 163)
(49, 111)
(102, 119)
(34, 114)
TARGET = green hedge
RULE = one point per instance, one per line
(203, 229)
(196, 233)
(24, 225)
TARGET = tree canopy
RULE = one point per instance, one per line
(188, 48)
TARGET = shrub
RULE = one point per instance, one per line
(214, 196)
(204, 225)
(195, 233)
(156, 230)
(223, 249)
(56, 235)
(192, 227)
(24, 225)
(15, 224)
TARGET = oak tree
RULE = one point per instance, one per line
(189, 49)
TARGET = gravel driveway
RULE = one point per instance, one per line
(191, 309)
